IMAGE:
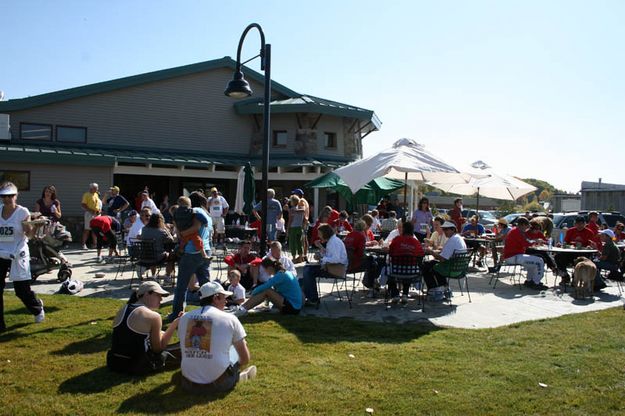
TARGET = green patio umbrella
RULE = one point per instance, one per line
(249, 190)
(371, 193)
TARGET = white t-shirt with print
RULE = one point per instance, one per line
(13, 242)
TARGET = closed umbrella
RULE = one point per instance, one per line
(238, 202)
(249, 190)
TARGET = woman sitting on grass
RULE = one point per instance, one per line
(138, 342)
(282, 290)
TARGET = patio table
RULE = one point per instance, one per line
(555, 250)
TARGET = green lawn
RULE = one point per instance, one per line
(305, 367)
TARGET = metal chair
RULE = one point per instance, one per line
(406, 270)
(143, 255)
(456, 268)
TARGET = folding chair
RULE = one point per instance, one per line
(456, 268)
(406, 269)
(336, 272)
(144, 255)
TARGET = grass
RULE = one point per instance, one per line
(304, 367)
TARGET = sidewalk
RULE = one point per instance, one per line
(506, 304)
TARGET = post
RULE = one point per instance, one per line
(266, 141)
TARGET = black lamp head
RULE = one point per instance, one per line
(238, 87)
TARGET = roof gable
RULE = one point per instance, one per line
(134, 80)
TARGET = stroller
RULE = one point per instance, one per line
(45, 249)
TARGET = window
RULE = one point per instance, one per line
(31, 131)
(279, 138)
(21, 179)
(71, 134)
(329, 140)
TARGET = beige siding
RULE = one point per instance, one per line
(190, 111)
(330, 124)
(71, 182)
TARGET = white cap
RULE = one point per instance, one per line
(448, 224)
(151, 286)
(9, 190)
(609, 233)
(212, 288)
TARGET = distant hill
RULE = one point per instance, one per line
(541, 186)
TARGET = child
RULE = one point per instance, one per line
(183, 219)
(238, 291)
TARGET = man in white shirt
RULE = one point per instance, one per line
(455, 243)
(147, 202)
(209, 338)
(333, 262)
(218, 209)
(276, 253)
(137, 226)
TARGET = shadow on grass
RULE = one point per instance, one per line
(313, 329)
(95, 344)
(24, 311)
(95, 381)
(165, 400)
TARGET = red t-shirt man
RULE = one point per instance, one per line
(342, 223)
(406, 245)
(583, 236)
(515, 243)
(356, 241)
(334, 215)
(536, 235)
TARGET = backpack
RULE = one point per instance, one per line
(71, 287)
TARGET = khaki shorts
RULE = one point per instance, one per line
(219, 225)
(88, 217)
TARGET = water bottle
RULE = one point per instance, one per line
(550, 243)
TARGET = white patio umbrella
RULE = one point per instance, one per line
(491, 184)
(406, 159)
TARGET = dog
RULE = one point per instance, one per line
(584, 277)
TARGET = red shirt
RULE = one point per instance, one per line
(334, 215)
(573, 236)
(356, 241)
(620, 236)
(237, 259)
(103, 222)
(406, 245)
(456, 216)
(370, 236)
(515, 243)
(594, 227)
(536, 235)
(314, 234)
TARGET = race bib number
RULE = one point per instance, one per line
(7, 234)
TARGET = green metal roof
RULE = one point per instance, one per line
(107, 86)
(308, 104)
(107, 156)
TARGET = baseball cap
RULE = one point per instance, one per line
(502, 221)
(8, 190)
(579, 218)
(132, 212)
(448, 224)
(212, 288)
(114, 188)
(609, 233)
(297, 191)
(147, 287)
(213, 189)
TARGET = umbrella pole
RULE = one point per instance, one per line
(403, 218)
(477, 208)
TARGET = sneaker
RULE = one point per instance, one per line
(240, 312)
(99, 259)
(84, 247)
(248, 374)
(41, 316)
(448, 294)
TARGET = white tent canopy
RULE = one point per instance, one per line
(491, 184)
(406, 160)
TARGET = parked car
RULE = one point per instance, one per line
(487, 218)
(565, 220)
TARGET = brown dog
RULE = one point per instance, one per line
(584, 277)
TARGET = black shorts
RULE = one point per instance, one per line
(288, 309)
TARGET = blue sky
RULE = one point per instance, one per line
(533, 88)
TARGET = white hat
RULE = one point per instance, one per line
(448, 224)
(147, 287)
(212, 288)
(609, 233)
(10, 189)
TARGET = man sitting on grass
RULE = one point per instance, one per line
(207, 335)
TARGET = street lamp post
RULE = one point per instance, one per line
(240, 88)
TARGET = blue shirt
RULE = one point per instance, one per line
(470, 227)
(205, 231)
(285, 284)
(274, 209)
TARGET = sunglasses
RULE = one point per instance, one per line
(7, 196)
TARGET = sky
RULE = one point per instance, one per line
(533, 88)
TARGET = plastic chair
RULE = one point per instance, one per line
(456, 268)
(406, 269)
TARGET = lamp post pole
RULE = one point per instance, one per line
(239, 88)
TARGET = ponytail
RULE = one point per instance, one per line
(275, 264)
(133, 297)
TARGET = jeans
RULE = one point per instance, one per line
(189, 264)
(226, 382)
(605, 265)
(22, 291)
(309, 281)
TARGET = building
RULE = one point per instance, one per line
(601, 196)
(173, 131)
